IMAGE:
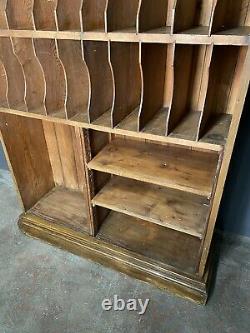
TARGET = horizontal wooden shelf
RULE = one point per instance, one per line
(126, 127)
(160, 244)
(176, 210)
(231, 37)
(63, 207)
(176, 168)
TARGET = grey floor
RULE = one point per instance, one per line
(43, 289)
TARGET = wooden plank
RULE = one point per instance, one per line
(153, 67)
(33, 74)
(93, 15)
(63, 207)
(27, 151)
(101, 79)
(152, 16)
(3, 87)
(78, 84)
(173, 167)
(45, 14)
(20, 14)
(15, 77)
(152, 241)
(179, 211)
(122, 14)
(56, 89)
(126, 69)
(68, 15)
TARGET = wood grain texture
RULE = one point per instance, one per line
(173, 167)
(33, 74)
(122, 15)
(152, 241)
(69, 15)
(179, 211)
(77, 75)
(3, 87)
(56, 89)
(221, 79)
(16, 82)
(20, 14)
(151, 15)
(93, 15)
(230, 14)
(127, 79)
(61, 141)
(153, 65)
(3, 16)
(63, 207)
(192, 13)
(101, 79)
(27, 150)
(45, 14)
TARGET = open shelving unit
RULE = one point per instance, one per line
(118, 120)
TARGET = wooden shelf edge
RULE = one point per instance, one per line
(143, 135)
(189, 287)
(149, 37)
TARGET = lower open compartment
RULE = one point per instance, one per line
(49, 170)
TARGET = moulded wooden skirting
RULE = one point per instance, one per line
(135, 265)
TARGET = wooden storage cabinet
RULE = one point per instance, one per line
(118, 120)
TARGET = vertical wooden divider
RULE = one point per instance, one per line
(153, 60)
(93, 15)
(55, 78)
(20, 14)
(191, 67)
(69, 15)
(97, 57)
(78, 82)
(33, 74)
(45, 15)
(153, 16)
(127, 80)
(122, 15)
(3, 87)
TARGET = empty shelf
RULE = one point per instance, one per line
(63, 207)
(188, 127)
(177, 210)
(177, 168)
(160, 244)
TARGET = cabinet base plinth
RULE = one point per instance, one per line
(132, 264)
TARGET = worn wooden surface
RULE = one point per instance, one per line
(172, 167)
(183, 212)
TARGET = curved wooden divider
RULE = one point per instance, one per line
(93, 15)
(191, 67)
(127, 79)
(56, 87)
(78, 83)
(3, 87)
(68, 14)
(153, 16)
(15, 76)
(33, 74)
(20, 14)
(122, 15)
(231, 15)
(96, 55)
(3, 15)
(45, 14)
(157, 77)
